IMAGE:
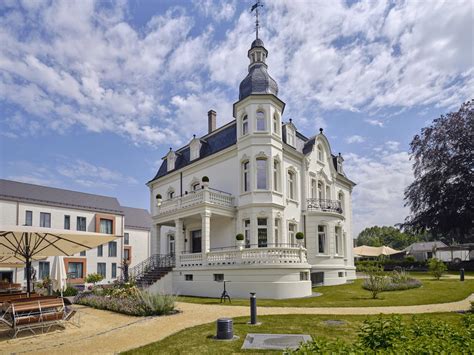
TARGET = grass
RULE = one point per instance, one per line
(352, 295)
(198, 340)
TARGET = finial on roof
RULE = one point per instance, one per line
(321, 130)
(171, 149)
(339, 153)
(194, 136)
(257, 24)
(291, 120)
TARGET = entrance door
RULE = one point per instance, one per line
(196, 241)
(171, 244)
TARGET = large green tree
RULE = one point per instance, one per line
(389, 236)
(441, 198)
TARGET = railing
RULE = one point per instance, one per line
(206, 195)
(244, 256)
(153, 262)
(317, 204)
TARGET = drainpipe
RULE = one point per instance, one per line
(181, 183)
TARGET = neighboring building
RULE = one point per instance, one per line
(267, 181)
(41, 206)
(426, 250)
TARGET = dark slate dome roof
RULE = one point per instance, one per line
(258, 81)
(257, 43)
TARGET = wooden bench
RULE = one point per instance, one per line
(16, 296)
(8, 287)
(30, 314)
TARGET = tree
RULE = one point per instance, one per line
(436, 267)
(376, 280)
(390, 236)
(441, 198)
(94, 278)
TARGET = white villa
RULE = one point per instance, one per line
(260, 177)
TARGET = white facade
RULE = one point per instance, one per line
(268, 184)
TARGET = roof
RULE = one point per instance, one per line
(257, 43)
(137, 218)
(43, 195)
(257, 81)
(424, 246)
(211, 144)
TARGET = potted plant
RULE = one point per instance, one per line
(240, 240)
(159, 198)
(299, 238)
(205, 181)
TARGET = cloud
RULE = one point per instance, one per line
(216, 10)
(381, 181)
(374, 122)
(355, 139)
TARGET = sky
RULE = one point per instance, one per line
(93, 94)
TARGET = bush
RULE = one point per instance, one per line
(158, 197)
(94, 278)
(239, 237)
(392, 264)
(376, 281)
(156, 304)
(68, 292)
(390, 335)
(205, 179)
(437, 268)
(299, 236)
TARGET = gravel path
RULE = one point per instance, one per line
(107, 333)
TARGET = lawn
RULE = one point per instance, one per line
(198, 340)
(352, 295)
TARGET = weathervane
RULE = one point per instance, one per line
(255, 7)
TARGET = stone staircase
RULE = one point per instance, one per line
(152, 269)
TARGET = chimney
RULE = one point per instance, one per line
(211, 121)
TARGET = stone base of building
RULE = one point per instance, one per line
(332, 275)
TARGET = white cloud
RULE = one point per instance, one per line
(218, 11)
(355, 139)
(374, 122)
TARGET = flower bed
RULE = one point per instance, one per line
(397, 280)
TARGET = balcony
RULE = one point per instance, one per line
(317, 204)
(194, 198)
(244, 257)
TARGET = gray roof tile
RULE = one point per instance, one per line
(137, 218)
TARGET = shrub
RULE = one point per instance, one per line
(376, 281)
(239, 237)
(437, 268)
(94, 278)
(205, 179)
(158, 197)
(68, 292)
(157, 304)
(299, 236)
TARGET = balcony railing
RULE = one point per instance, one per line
(252, 256)
(206, 195)
(317, 204)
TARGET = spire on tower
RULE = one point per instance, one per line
(255, 7)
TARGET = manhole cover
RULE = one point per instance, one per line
(275, 341)
(334, 322)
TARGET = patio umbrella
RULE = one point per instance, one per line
(26, 243)
(11, 262)
(365, 250)
(59, 275)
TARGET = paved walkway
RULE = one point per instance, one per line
(107, 333)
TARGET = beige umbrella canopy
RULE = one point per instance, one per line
(365, 250)
(11, 262)
(27, 243)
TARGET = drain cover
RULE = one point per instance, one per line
(274, 341)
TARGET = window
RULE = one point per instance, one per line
(291, 185)
(320, 190)
(126, 254)
(262, 232)
(291, 233)
(114, 270)
(321, 239)
(320, 153)
(245, 176)
(106, 226)
(341, 273)
(245, 125)
(170, 194)
(338, 240)
(340, 198)
(126, 239)
(112, 249)
(195, 148)
(328, 192)
(43, 269)
(82, 253)
(277, 231)
(247, 232)
(290, 136)
(45, 219)
(171, 244)
(188, 277)
(75, 270)
(102, 269)
(219, 277)
(339, 165)
(67, 222)
(195, 186)
(275, 124)
(28, 218)
(276, 175)
(261, 126)
(100, 250)
(81, 224)
(262, 174)
(304, 276)
(170, 160)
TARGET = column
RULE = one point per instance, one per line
(253, 232)
(156, 240)
(178, 239)
(271, 231)
(205, 231)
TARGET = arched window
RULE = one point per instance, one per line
(245, 125)
(320, 190)
(261, 173)
(276, 126)
(276, 175)
(340, 198)
(245, 176)
(328, 192)
(261, 126)
(314, 189)
(320, 153)
(291, 185)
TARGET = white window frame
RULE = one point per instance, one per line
(246, 176)
(259, 169)
(276, 126)
(324, 234)
(292, 229)
(290, 136)
(276, 174)
(338, 248)
(292, 191)
(247, 228)
(260, 119)
(320, 153)
(245, 125)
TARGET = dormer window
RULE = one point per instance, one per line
(170, 160)
(320, 153)
(261, 126)
(194, 148)
(290, 136)
(245, 125)
(339, 160)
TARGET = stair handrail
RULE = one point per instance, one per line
(150, 263)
